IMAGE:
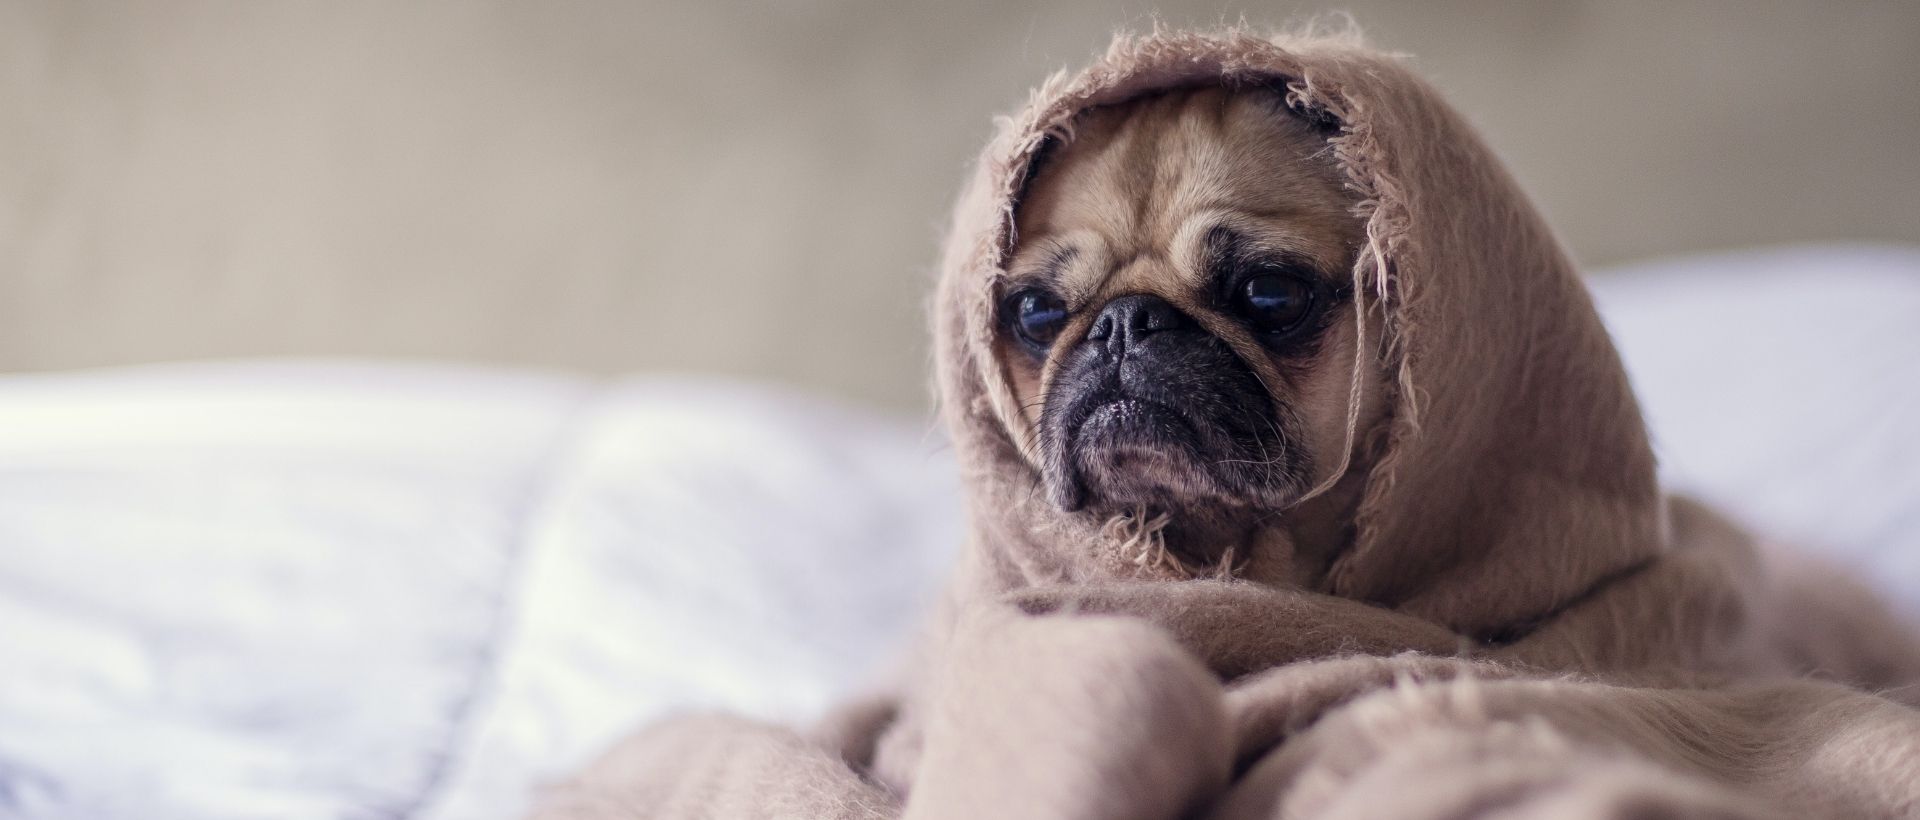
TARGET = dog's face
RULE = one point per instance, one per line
(1177, 319)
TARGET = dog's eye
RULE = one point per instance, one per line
(1274, 302)
(1037, 316)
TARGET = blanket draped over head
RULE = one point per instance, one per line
(1520, 624)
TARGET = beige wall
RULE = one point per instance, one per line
(757, 188)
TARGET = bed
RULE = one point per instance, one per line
(332, 589)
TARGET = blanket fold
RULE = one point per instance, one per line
(1520, 624)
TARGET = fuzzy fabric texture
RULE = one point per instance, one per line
(1523, 625)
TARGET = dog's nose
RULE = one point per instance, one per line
(1125, 321)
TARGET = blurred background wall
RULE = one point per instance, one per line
(757, 188)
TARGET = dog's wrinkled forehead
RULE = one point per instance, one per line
(1128, 200)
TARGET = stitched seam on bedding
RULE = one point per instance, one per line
(470, 710)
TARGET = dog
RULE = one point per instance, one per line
(1178, 321)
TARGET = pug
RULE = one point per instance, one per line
(1179, 324)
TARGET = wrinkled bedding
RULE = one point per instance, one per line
(305, 589)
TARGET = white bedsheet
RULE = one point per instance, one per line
(306, 590)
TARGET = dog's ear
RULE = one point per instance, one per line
(1274, 91)
(1322, 120)
(1043, 156)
